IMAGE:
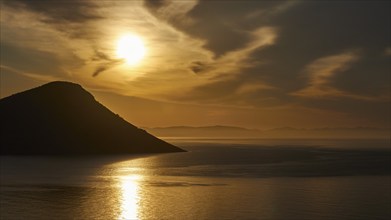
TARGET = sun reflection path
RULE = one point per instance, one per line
(130, 190)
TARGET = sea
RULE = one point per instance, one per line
(216, 179)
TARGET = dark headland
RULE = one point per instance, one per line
(61, 118)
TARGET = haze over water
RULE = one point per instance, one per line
(216, 179)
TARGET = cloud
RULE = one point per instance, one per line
(198, 67)
(154, 5)
(321, 72)
(35, 76)
(235, 62)
(222, 29)
(99, 55)
(226, 53)
(272, 11)
(55, 12)
(174, 12)
(106, 62)
(252, 88)
(222, 80)
(71, 17)
(107, 65)
(308, 32)
(229, 25)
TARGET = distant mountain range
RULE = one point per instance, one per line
(207, 131)
(62, 118)
(219, 131)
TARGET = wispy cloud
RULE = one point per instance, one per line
(272, 11)
(321, 73)
(235, 61)
(253, 87)
(36, 76)
(106, 62)
(174, 12)
(73, 11)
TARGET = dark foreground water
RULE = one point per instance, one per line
(217, 179)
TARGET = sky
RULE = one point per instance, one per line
(254, 64)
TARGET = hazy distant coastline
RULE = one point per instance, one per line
(220, 131)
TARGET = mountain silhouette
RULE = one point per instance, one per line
(62, 118)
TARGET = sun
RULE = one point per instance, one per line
(130, 48)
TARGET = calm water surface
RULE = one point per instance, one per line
(217, 179)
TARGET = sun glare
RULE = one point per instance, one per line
(130, 48)
(130, 197)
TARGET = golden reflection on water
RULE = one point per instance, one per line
(130, 192)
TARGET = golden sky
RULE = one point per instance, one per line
(258, 64)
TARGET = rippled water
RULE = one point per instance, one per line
(217, 179)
